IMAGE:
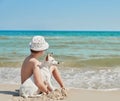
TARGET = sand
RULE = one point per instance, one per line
(9, 93)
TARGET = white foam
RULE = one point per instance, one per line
(9, 75)
(105, 79)
(93, 79)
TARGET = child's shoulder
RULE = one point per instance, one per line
(34, 61)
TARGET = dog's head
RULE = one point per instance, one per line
(50, 60)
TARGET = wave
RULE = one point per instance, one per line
(102, 79)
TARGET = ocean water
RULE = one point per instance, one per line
(88, 59)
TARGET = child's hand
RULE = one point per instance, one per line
(64, 92)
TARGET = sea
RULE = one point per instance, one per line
(88, 59)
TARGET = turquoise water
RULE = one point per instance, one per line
(60, 33)
(71, 48)
(88, 59)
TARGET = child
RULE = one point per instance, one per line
(30, 67)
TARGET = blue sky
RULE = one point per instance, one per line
(59, 14)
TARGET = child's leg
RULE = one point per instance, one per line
(57, 76)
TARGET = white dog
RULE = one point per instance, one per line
(28, 88)
(45, 70)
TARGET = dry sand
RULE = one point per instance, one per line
(9, 93)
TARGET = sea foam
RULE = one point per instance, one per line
(104, 79)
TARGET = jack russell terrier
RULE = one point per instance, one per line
(45, 70)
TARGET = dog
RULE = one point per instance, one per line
(45, 70)
(29, 89)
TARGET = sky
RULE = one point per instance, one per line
(60, 15)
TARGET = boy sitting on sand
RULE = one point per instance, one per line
(30, 66)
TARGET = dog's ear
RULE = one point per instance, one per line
(46, 57)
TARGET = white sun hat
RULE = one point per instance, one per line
(38, 43)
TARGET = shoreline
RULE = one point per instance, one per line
(8, 93)
(101, 80)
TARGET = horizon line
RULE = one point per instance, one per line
(62, 30)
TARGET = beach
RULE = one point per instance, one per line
(8, 93)
(89, 63)
(82, 38)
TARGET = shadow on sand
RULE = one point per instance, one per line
(14, 93)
